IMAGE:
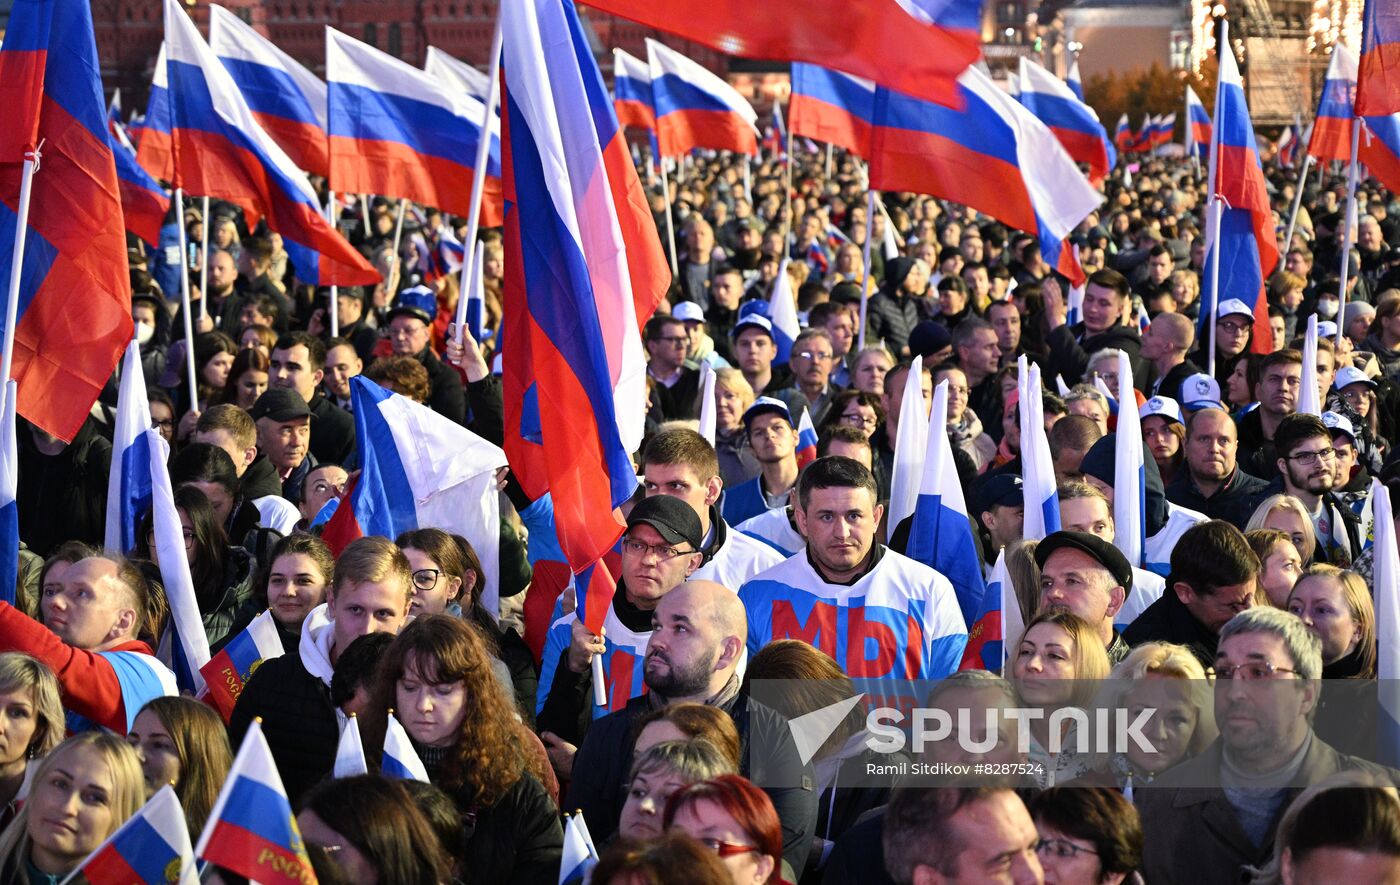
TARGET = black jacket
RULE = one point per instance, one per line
(680, 401)
(1168, 620)
(298, 721)
(1071, 347)
(260, 480)
(1257, 455)
(1169, 385)
(445, 394)
(1234, 502)
(332, 431)
(768, 757)
(362, 336)
(63, 497)
(516, 840)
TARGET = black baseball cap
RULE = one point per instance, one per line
(1107, 555)
(1002, 490)
(675, 520)
(280, 404)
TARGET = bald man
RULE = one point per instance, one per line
(1165, 344)
(697, 645)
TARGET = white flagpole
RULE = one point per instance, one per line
(483, 153)
(31, 163)
(364, 212)
(398, 234)
(827, 174)
(1217, 210)
(670, 224)
(1214, 207)
(748, 180)
(185, 298)
(865, 283)
(1356, 125)
(1297, 202)
(333, 307)
(203, 259)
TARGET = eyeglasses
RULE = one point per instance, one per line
(662, 551)
(728, 849)
(1251, 671)
(859, 420)
(1061, 848)
(1309, 458)
(426, 578)
(809, 355)
(1232, 328)
(158, 423)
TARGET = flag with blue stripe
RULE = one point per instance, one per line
(1037, 468)
(185, 646)
(129, 483)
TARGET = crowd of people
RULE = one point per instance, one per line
(738, 566)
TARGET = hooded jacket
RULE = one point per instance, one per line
(892, 314)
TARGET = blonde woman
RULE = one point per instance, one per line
(1167, 679)
(1057, 664)
(1288, 515)
(733, 396)
(1336, 607)
(1282, 565)
(31, 724)
(83, 790)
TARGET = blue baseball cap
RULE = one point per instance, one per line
(765, 405)
(419, 302)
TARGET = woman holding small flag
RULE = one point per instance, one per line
(86, 788)
(436, 673)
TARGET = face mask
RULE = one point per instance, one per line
(1327, 309)
(144, 333)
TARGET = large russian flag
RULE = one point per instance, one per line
(1074, 123)
(252, 830)
(993, 155)
(584, 269)
(151, 848)
(1378, 87)
(420, 470)
(144, 202)
(185, 646)
(457, 74)
(832, 107)
(153, 149)
(221, 151)
(1331, 135)
(398, 131)
(1197, 123)
(695, 108)
(632, 96)
(1380, 150)
(129, 482)
(916, 46)
(1248, 251)
(286, 99)
(74, 310)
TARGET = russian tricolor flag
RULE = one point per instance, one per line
(806, 439)
(632, 96)
(1378, 88)
(397, 131)
(185, 646)
(229, 670)
(579, 856)
(1385, 585)
(286, 99)
(252, 830)
(695, 108)
(144, 202)
(1073, 81)
(584, 269)
(1129, 473)
(998, 623)
(941, 535)
(129, 483)
(1163, 129)
(1123, 134)
(1074, 123)
(221, 151)
(1247, 249)
(153, 150)
(992, 155)
(1331, 136)
(74, 310)
(350, 751)
(832, 107)
(458, 74)
(915, 46)
(400, 760)
(782, 313)
(1037, 468)
(1198, 123)
(910, 449)
(151, 848)
(419, 470)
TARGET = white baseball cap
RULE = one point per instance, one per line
(1327, 329)
(1349, 375)
(1231, 306)
(1200, 391)
(1339, 422)
(688, 311)
(1164, 406)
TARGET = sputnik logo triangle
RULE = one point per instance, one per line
(811, 730)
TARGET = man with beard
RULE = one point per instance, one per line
(1225, 803)
(1212, 481)
(693, 656)
(1307, 464)
(660, 549)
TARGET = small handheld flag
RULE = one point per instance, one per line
(252, 830)
(151, 848)
(708, 418)
(400, 759)
(350, 752)
(228, 672)
(1385, 587)
(1308, 395)
(579, 856)
(806, 440)
(910, 447)
(129, 483)
(1037, 468)
(1129, 472)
